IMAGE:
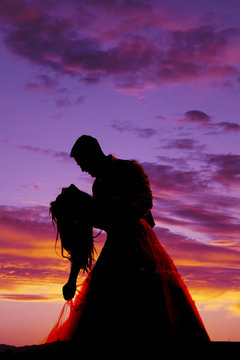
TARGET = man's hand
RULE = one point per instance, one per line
(69, 290)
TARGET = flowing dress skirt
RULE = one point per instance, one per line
(133, 293)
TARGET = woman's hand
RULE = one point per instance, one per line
(69, 290)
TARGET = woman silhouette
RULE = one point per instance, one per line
(134, 292)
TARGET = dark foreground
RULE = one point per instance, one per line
(67, 350)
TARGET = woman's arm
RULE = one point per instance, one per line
(69, 288)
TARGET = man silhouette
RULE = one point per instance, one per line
(121, 190)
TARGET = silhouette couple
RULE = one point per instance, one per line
(133, 293)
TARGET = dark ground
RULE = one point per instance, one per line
(229, 350)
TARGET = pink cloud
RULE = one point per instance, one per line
(214, 224)
(24, 228)
(25, 297)
(33, 186)
(195, 253)
(32, 270)
(202, 44)
(220, 278)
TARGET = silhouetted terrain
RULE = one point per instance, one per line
(66, 350)
(32, 351)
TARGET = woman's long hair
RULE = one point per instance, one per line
(71, 216)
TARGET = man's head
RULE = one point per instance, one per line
(88, 154)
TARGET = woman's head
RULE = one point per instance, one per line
(70, 214)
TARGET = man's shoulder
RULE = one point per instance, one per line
(128, 166)
(126, 163)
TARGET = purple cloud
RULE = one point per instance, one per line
(80, 100)
(127, 46)
(192, 201)
(197, 117)
(63, 102)
(143, 133)
(170, 179)
(183, 144)
(61, 155)
(228, 126)
(205, 122)
(226, 168)
(44, 82)
(160, 117)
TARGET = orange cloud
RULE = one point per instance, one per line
(30, 269)
(235, 308)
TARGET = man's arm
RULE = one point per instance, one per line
(138, 192)
(131, 200)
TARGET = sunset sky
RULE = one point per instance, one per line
(155, 81)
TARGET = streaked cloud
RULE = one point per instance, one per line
(24, 297)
